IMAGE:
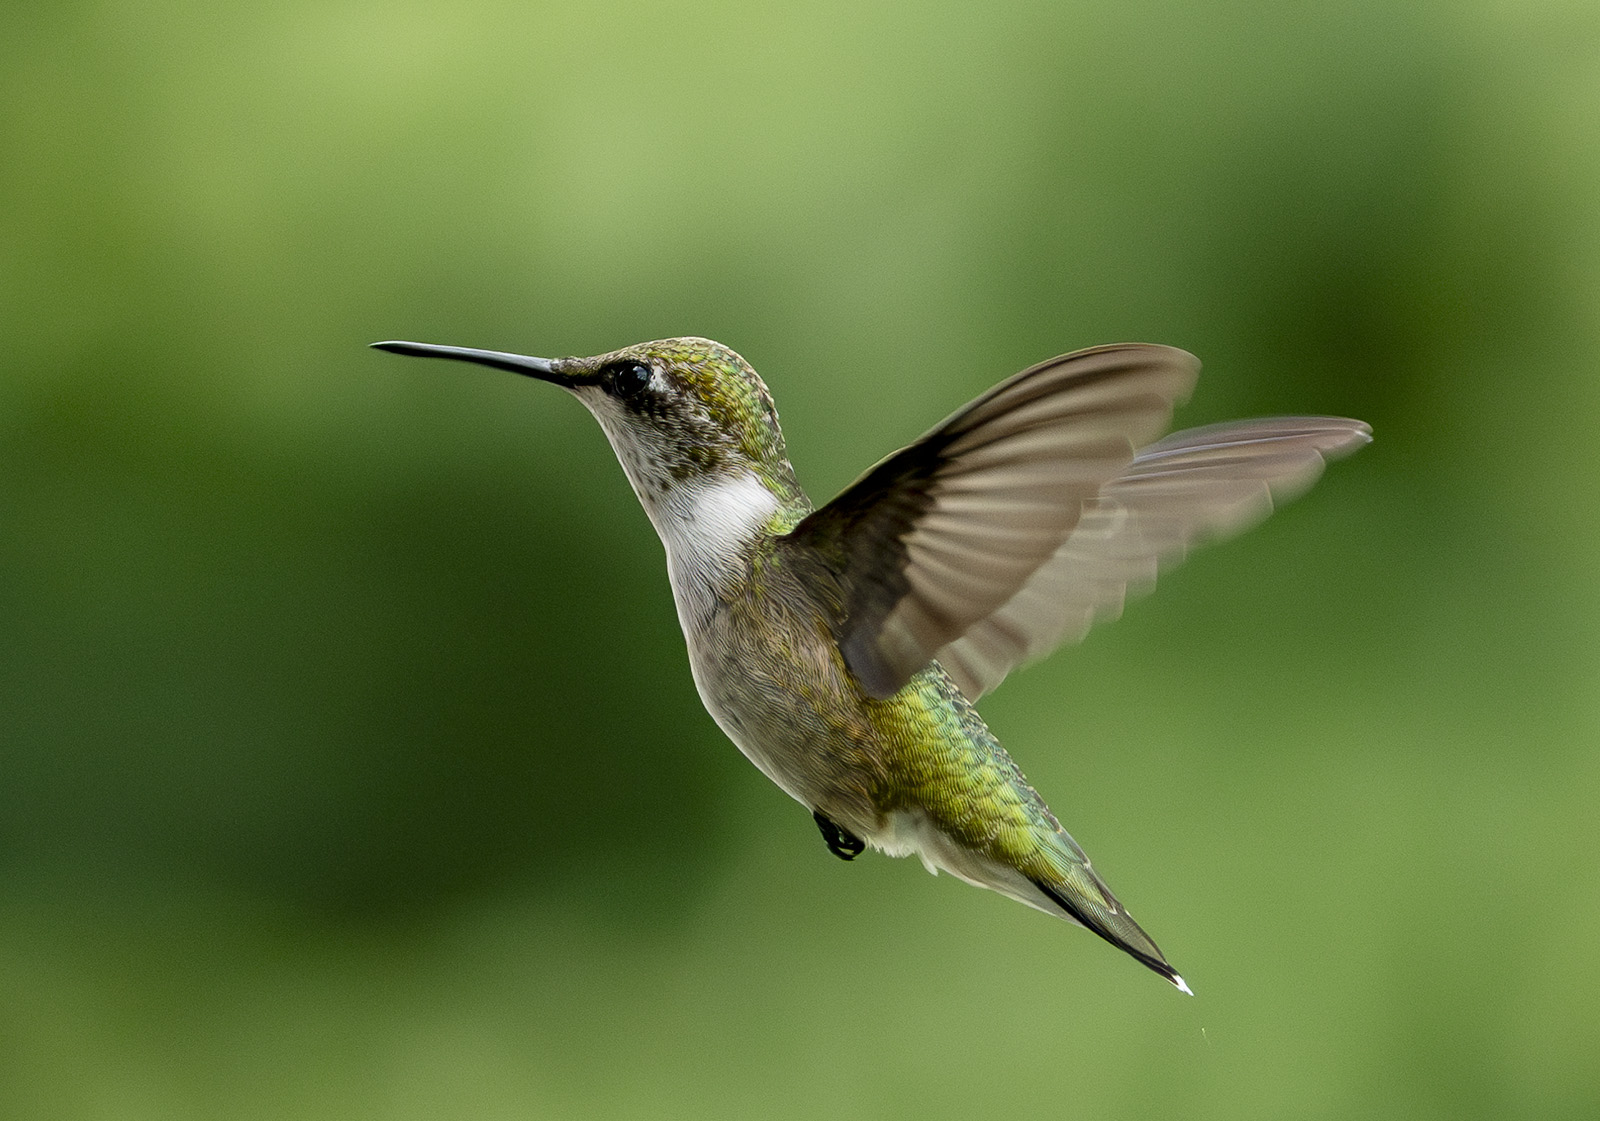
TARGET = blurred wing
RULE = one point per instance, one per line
(940, 535)
(1198, 485)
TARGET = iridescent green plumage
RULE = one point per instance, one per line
(839, 647)
(949, 765)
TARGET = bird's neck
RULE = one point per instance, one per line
(711, 524)
(711, 527)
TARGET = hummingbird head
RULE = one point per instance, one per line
(681, 414)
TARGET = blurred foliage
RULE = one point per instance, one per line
(349, 761)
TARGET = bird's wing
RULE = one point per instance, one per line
(1194, 486)
(939, 537)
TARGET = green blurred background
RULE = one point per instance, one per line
(349, 761)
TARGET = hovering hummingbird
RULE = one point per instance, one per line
(841, 648)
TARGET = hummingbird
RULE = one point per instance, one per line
(841, 647)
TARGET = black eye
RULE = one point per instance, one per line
(627, 379)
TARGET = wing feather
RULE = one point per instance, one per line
(939, 536)
(1194, 486)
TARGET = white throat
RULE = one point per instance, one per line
(707, 522)
(707, 526)
(701, 520)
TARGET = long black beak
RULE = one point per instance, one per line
(541, 368)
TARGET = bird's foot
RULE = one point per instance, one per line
(841, 842)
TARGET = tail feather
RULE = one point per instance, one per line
(1115, 925)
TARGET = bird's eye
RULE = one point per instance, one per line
(628, 379)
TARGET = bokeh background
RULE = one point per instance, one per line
(349, 761)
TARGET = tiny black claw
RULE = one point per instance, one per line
(841, 842)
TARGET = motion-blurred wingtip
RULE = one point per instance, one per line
(1360, 436)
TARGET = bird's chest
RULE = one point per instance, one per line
(770, 676)
(764, 663)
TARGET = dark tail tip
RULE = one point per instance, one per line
(1150, 959)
